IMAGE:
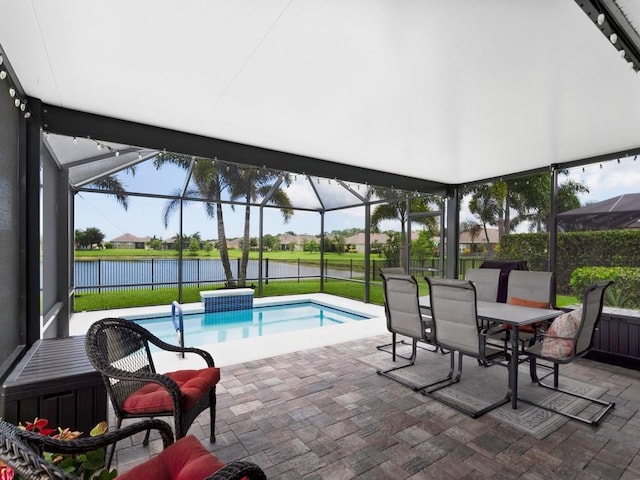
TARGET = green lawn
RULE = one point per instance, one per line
(164, 296)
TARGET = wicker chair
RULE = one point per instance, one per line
(120, 350)
(22, 450)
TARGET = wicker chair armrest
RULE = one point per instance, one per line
(206, 356)
(139, 376)
(87, 444)
(238, 470)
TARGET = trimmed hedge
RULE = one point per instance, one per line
(606, 248)
(625, 292)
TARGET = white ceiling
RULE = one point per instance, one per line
(450, 91)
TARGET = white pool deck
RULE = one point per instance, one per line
(239, 351)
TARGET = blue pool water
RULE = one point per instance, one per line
(204, 328)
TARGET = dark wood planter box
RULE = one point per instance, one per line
(617, 340)
(55, 381)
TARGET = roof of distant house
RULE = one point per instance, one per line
(128, 237)
(465, 237)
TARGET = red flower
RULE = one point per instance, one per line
(6, 472)
(39, 425)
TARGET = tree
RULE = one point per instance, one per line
(94, 236)
(399, 210)
(251, 184)
(424, 246)
(194, 246)
(210, 182)
(155, 243)
(339, 244)
(270, 242)
(392, 249)
(114, 187)
(475, 229)
(310, 246)
(528, 197)
(81, 239)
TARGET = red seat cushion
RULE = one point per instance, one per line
(153, 398)
(186, 459)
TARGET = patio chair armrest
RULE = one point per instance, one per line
(138, 376)
(238, 470)
(87, 444)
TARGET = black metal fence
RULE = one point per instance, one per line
(98, 275)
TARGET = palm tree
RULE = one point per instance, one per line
(251, 184)
(528, 196)
(210, 181)
(399, 210)
(114, 187)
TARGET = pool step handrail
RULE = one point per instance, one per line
(179, 324)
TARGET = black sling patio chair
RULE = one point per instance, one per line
(569, 338)
(457, 328)
(405, 317)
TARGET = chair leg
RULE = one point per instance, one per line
(145, 442)
(113, 447)
(212, 415)
(412, 360)
(394, 343)
(594, 420)
(450, 380)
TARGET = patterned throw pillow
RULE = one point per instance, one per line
(564, 327)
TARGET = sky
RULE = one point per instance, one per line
(144, 216)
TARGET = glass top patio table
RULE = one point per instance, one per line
(516, 316)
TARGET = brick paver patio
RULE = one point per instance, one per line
(323, 414)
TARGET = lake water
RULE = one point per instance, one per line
(89, 275)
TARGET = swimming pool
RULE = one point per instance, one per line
(204, 328)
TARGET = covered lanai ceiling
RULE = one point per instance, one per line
(445, 91)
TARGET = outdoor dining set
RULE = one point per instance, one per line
(463, 318)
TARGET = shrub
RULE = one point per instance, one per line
(625, 292)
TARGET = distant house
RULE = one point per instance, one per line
(130, 241)
(287, 241)
(479, 243)
(356, 242)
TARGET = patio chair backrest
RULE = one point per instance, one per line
(530, 288)
(402, 306)
(454, 312)
(121, 344)
(486, 281)
(391, 271)
(592, 303)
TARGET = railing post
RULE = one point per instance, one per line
(152, 276)
(298, 269)
(99, 275)
(266, 271)
(198, 271)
